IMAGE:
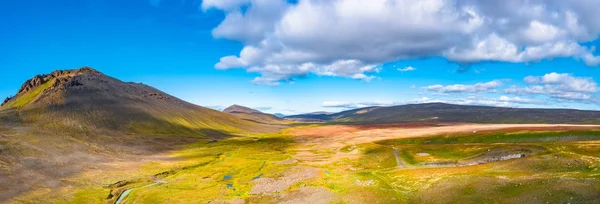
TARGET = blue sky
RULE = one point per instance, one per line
(293, 57)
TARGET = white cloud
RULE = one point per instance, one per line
(559, 86)
(490, 86)
(407, 69)
(541, 32)
(363, 77)
(565, 82)
(502, 101)
(352, 105)
(467, 101)
(250, 26)
(230, 62)
(520, 100)
(312, 35)
(496, 48)
(272, 74)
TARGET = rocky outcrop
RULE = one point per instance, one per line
(62, 78)
(6, 100)
(30, 84)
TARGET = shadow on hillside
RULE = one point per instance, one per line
(50, 145)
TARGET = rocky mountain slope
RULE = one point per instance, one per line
(72, 128)
(86, 99)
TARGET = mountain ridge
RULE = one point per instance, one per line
(443, 112)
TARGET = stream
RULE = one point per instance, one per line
(126, 192)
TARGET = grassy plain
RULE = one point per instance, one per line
(304, 165)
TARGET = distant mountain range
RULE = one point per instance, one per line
(453, 113)
(253, 115)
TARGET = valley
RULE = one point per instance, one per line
(299, 102)
(58, 144)
(555, 163)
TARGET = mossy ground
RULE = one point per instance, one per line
(559, 167)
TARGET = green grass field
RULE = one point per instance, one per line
(558, 167)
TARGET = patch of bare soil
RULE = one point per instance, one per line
(310, 195)
(336, 129)
(287, 162)
(234, 201)
(278, 185)
(334, 137)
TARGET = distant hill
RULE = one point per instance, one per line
(85, 99)
(280, 115)
(253, 115)
(455, 113)
(320, 116)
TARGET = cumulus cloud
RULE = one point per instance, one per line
(286, 40)
(558, 86)
(407, 69)
(490, 86)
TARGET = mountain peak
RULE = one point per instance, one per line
(240, 109)
(55, 79)
(87, 98)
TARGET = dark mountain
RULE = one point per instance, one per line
(62, 124)
(252, 115)
(89, 100)
(455, 113)
(320, 116)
